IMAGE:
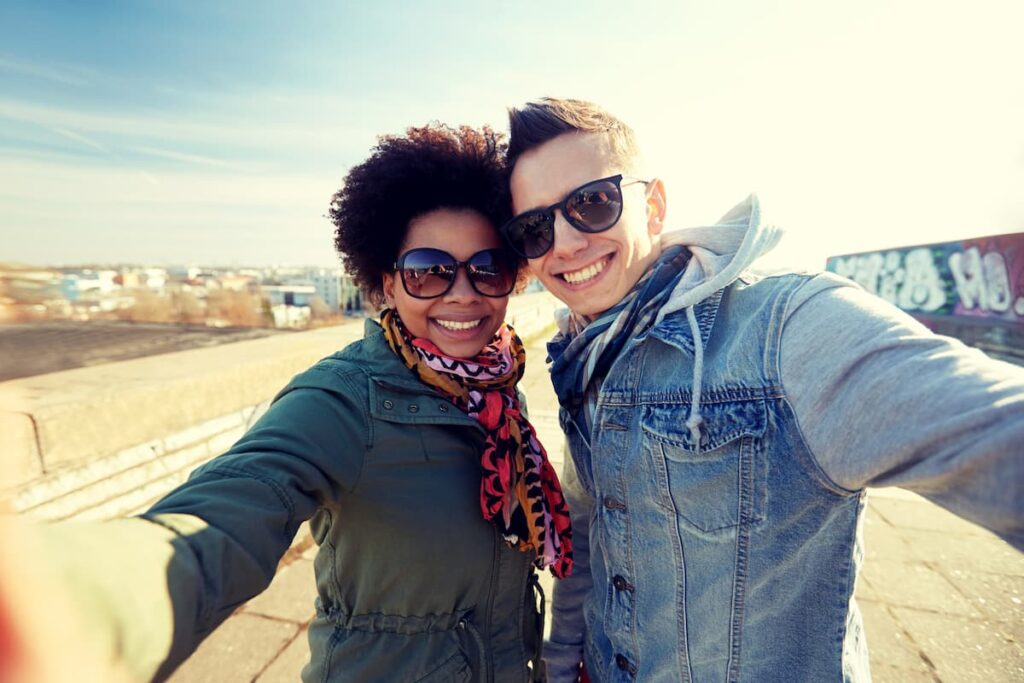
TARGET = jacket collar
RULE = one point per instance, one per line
(383, 366)
(674, 330)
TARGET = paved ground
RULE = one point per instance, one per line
(31, 349)
(943, 600)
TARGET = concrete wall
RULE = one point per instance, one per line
(105, 441)
(970, 289)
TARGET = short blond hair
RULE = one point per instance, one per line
(540, 121)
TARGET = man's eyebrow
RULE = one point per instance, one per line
(545, 205)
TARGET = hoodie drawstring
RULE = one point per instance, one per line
(695, 419)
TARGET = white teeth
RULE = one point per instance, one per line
(457, 325)
(578, 276)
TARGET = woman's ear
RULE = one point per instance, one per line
(388, 282)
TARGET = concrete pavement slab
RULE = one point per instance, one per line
(881, 539)
(964, 649)
(864, 590)
(888, 644)
(910, 584)
(997, 596)
(287, 667)
(919, 513)
(890, 674)
(978, 553)
(239, 650)
(290, 596)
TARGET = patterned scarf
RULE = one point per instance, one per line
(588, 348)
(519, 490)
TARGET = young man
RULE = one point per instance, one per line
(724, 425)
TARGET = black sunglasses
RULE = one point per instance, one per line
(429, 273)
(594, 207)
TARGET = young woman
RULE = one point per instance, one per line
(429, 496)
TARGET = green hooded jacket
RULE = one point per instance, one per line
(412, 583)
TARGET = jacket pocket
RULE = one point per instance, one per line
(714, 485)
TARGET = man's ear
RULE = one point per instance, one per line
(388, 282)
(656, 207)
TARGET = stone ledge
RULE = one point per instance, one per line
(20, 458)
(129, 481)
(65, 434)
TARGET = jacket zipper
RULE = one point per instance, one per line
(488, 674)
(533, 591)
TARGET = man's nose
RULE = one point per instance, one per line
(568, 240)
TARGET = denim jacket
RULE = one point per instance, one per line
(695, 554)
(734, 558)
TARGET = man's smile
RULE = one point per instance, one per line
(587, 273)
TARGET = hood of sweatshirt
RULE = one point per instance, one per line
(721, 252)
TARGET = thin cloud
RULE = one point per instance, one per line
(277, 133)
(47, 73)
(79, 138)
(148, 177)
(188, 158)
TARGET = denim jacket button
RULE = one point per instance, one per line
(611, 503)
(443, 407)
(621, 584)
(388, 405)
(413, 408)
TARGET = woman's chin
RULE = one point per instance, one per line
(461, 343)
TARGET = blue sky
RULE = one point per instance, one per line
(215, 132)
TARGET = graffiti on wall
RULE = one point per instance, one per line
(981, 277)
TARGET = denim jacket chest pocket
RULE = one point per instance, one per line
(716, 485)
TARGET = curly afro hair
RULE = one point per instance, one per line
(433, 167)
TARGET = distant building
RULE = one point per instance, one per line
(236, 282)
(336, 289)
(289, 295)
(295, 317)
(75, 285)
(971, 289)
(154, 278)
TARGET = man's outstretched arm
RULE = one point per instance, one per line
(881, 401)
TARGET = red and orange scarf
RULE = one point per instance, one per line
(519, 490)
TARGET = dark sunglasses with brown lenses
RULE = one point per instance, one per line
(429, 273)
(593, 207)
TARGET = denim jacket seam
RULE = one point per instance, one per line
(741, 566)
(633, 633)
(818, 472)
(633, 398)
